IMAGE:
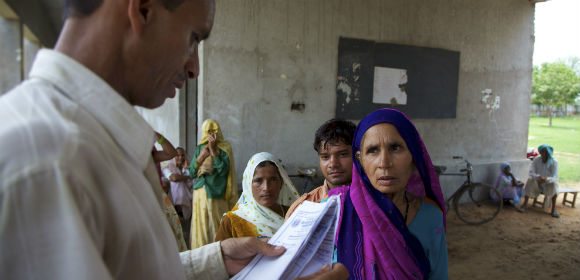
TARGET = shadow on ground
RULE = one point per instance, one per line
(530, 245)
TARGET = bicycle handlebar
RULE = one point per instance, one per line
(464, 171)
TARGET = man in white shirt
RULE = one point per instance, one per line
(79, 193)
(544, 179)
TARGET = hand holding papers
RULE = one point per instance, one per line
(308, 237)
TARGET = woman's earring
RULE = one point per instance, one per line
(357, 155)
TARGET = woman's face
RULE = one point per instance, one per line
(386, 159)
(180, 157)
(266, 185)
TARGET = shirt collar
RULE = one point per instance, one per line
(131, 132)
(325, 186)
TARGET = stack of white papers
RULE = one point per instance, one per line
(308, 237)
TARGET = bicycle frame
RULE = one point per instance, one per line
(470, 194)
(465, 172)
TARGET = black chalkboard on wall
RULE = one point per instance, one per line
(421, 82)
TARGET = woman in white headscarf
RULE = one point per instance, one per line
(267, 194)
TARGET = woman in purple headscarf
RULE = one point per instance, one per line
(393, 216)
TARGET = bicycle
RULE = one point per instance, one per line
(472, 202)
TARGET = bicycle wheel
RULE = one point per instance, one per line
(474, 206)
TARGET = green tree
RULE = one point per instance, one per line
(574, 63)
(554, 84)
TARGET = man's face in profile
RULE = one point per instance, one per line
(165, 53)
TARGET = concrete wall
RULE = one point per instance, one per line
(12, 58)
(9, 54)
(165, 120)
(30, 50)
(265, 54)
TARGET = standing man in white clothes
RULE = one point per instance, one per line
(79, 194)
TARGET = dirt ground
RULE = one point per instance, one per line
(530, 245)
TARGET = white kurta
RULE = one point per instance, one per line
(76, 200)
(549, 187)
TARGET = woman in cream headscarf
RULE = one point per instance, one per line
(215, 187)
(267, 194)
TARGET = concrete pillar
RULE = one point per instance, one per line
(30, 50)
(10, 54)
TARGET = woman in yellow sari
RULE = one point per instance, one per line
(215, 188)
(267, 194)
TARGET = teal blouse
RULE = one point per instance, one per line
(429, 229)
(215, 183)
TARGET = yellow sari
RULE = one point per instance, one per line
(208, 126)
(207, 212)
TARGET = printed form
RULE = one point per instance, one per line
(308, 237)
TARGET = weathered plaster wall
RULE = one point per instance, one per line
(165, 119)
(9, 54)
(30, 50)
(265, 54)
(12, 58)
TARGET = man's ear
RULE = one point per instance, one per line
(139, 13)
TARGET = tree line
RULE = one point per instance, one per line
(556, 84)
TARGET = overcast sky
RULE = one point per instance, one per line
(557, 30)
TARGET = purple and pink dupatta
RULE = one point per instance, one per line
(373, 241)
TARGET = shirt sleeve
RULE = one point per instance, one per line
(533, 172)
(204, 263)
(167, 172)
(48, 229)
(554, 173)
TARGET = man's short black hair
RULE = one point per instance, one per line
(82, 8)
(334, 131)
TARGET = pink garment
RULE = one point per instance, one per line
(181, 194)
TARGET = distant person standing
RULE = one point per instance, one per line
(177, 172)
(168, 153)
(544, 178)
(214, 169)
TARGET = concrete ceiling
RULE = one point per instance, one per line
(44, 18)
(6, 11)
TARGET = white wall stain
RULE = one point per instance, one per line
(345, 88)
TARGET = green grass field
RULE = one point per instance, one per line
(564, 136)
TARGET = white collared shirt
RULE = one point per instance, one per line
(75, 198)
